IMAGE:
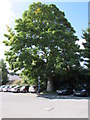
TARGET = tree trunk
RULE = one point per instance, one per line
(49, 84)
(68, 72)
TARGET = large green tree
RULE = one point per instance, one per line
(42, 43)
(3, 72)
(86, 51)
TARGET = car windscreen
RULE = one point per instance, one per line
(19, 86)
(79, 88)
(16, 86)
(12, 86)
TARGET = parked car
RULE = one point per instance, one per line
(1, 88)
(65, 90)
(80, 90)
(16, 89)
(10, 87)
(5, 89)
(24, 89)
(33, 89)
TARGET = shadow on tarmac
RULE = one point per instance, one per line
(55, 96)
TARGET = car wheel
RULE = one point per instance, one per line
(18, 91)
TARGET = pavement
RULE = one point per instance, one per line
(27, 105)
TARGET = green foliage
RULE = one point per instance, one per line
(42, 42)
(28, 80)
(86, 51)
(3, 72)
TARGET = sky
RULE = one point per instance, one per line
(75, 11)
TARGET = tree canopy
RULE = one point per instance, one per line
(42, 42)
(86, 36)
(3, 72)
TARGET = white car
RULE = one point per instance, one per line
(10, 87)
(15, 89)
(5, 89)
(24, 89)
(33, 89)
(1, 88)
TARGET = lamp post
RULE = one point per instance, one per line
(38, 85)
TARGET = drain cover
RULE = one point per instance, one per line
(48, 108)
